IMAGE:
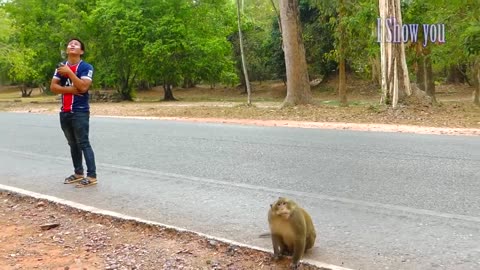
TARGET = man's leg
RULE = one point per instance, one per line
(81, 126)
(75, 150)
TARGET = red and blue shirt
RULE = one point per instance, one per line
(71, 102)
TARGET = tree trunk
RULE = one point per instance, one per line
(243, 84)
(298, 86)
(125, 92)
(395, 79)
(421, 72)
(43, 88)
(476, 95)
(342, 78)
(455, 75)
(126, 95)
(429, 80)
(342, 84)
(26, 91)
(425, 80)
(376, 71)
(143, 85)
(168, 93)
(188, 83)
(125, 89)
(244, 64)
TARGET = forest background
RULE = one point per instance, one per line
(161, 50)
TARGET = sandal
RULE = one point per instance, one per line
(74, 178)
(87, 181)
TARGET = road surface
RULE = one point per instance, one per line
(378, 200)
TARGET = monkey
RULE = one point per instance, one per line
(291, 230)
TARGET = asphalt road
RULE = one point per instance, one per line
(378, 200)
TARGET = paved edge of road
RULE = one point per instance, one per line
(108, 213)
(372, 127)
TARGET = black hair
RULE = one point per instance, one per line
(82, 46)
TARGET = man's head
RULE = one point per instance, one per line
(75, 46)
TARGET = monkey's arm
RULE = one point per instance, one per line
(299, 226)
(277, 246)
(311, 234)
(298, 251)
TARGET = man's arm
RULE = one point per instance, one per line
(82, 85)
(56, 88)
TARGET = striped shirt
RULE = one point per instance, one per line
(71, 102)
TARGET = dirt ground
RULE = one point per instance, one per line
(88, 241)
(455, 112)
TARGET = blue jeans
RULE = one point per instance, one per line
(75, 126)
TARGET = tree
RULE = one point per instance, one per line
(244, 65)
(450, 57)
(298, 85)
(424, 72)
(422, 50)
(120, 35)
(342, 77)
(476, 95)
(319, 20)
(6, 30)
(395, 78)
(256, 29)
(34, 41)
(471, 43)
(463, 50)
(20, 69)
(275, 55)
(187, 43)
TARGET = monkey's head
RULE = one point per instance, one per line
(283, 207)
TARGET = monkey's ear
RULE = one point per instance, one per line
(271, 205)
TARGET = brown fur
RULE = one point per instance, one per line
(291, 228)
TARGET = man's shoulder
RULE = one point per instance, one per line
(85, 70)
(86, 65)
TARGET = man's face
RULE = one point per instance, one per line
(74, 47)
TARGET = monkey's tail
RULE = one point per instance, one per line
(265, 235)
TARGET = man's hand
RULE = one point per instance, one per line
(81, 85)
(77, 92)
(64, 70)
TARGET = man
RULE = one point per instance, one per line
(72, 79)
